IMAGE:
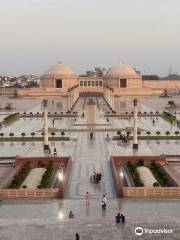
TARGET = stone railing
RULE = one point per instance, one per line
(29, 193)
(151, 191)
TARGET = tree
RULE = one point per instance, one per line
(139, 133)
(148, 133)
(2, 134)
(62, 133)
(128, 133)
(176, 133)
(11, 134)
(158, 133)
(23, 134)
(167, 133)
(33, 134)
(118, 132)
(53, 134)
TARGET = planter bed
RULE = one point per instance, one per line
(32, 139)
(161, 175)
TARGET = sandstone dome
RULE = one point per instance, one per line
(61, 70)
(122, 70)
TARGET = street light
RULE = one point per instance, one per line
(121, 174)
(60, 176)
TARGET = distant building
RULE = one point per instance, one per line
(122, 78)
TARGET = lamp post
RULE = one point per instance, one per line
(121, 182)
(46, 138)
(135, 136)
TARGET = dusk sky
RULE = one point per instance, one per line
(35, 34)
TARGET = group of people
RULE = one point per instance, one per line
(124, 138)
(120, 218)
(96, 177)
(50, 153)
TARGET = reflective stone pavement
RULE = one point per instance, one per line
(36, 220)
(48, 219)
(90, 155)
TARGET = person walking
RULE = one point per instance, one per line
(104, 202)
(55, 152)
(87, 198)
(77, 236)
(53, 122)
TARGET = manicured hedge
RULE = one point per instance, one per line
(20, 176)
(47, 176)
(132, 169)
(160, 174)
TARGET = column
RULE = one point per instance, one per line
(135, 140)
(46, 138)
(69, 102)
(112, 101)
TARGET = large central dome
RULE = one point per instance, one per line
(60, 70)
(122, 70)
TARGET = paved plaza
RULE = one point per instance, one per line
(48, 219)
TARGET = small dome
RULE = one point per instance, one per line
(61, 70)
(122, 70)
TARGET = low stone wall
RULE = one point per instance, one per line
(122, 160)
(57, 161)
(151, 191)
(65, 162)
(29, 193)
(119, 162)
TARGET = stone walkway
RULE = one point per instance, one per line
(88, 230)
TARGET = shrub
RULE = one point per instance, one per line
(23, 134)
(158, 133)
(53, 134)
(176, 133)
(148, 133)
(156, 184)
(140, 162)
(33, 134)
(167, 133)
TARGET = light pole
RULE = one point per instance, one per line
(135, 136)
(46, 138)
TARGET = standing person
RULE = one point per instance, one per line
(55, 152)
(87, 198)
(104, 202)
(77, 236)
(91, 135)
(107, 136)
(53, 122)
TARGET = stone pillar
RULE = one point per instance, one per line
(46, 138)
(69, 101)
(112, 101)
(135, 138)
(91, 112)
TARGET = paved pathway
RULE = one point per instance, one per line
(90, 155)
